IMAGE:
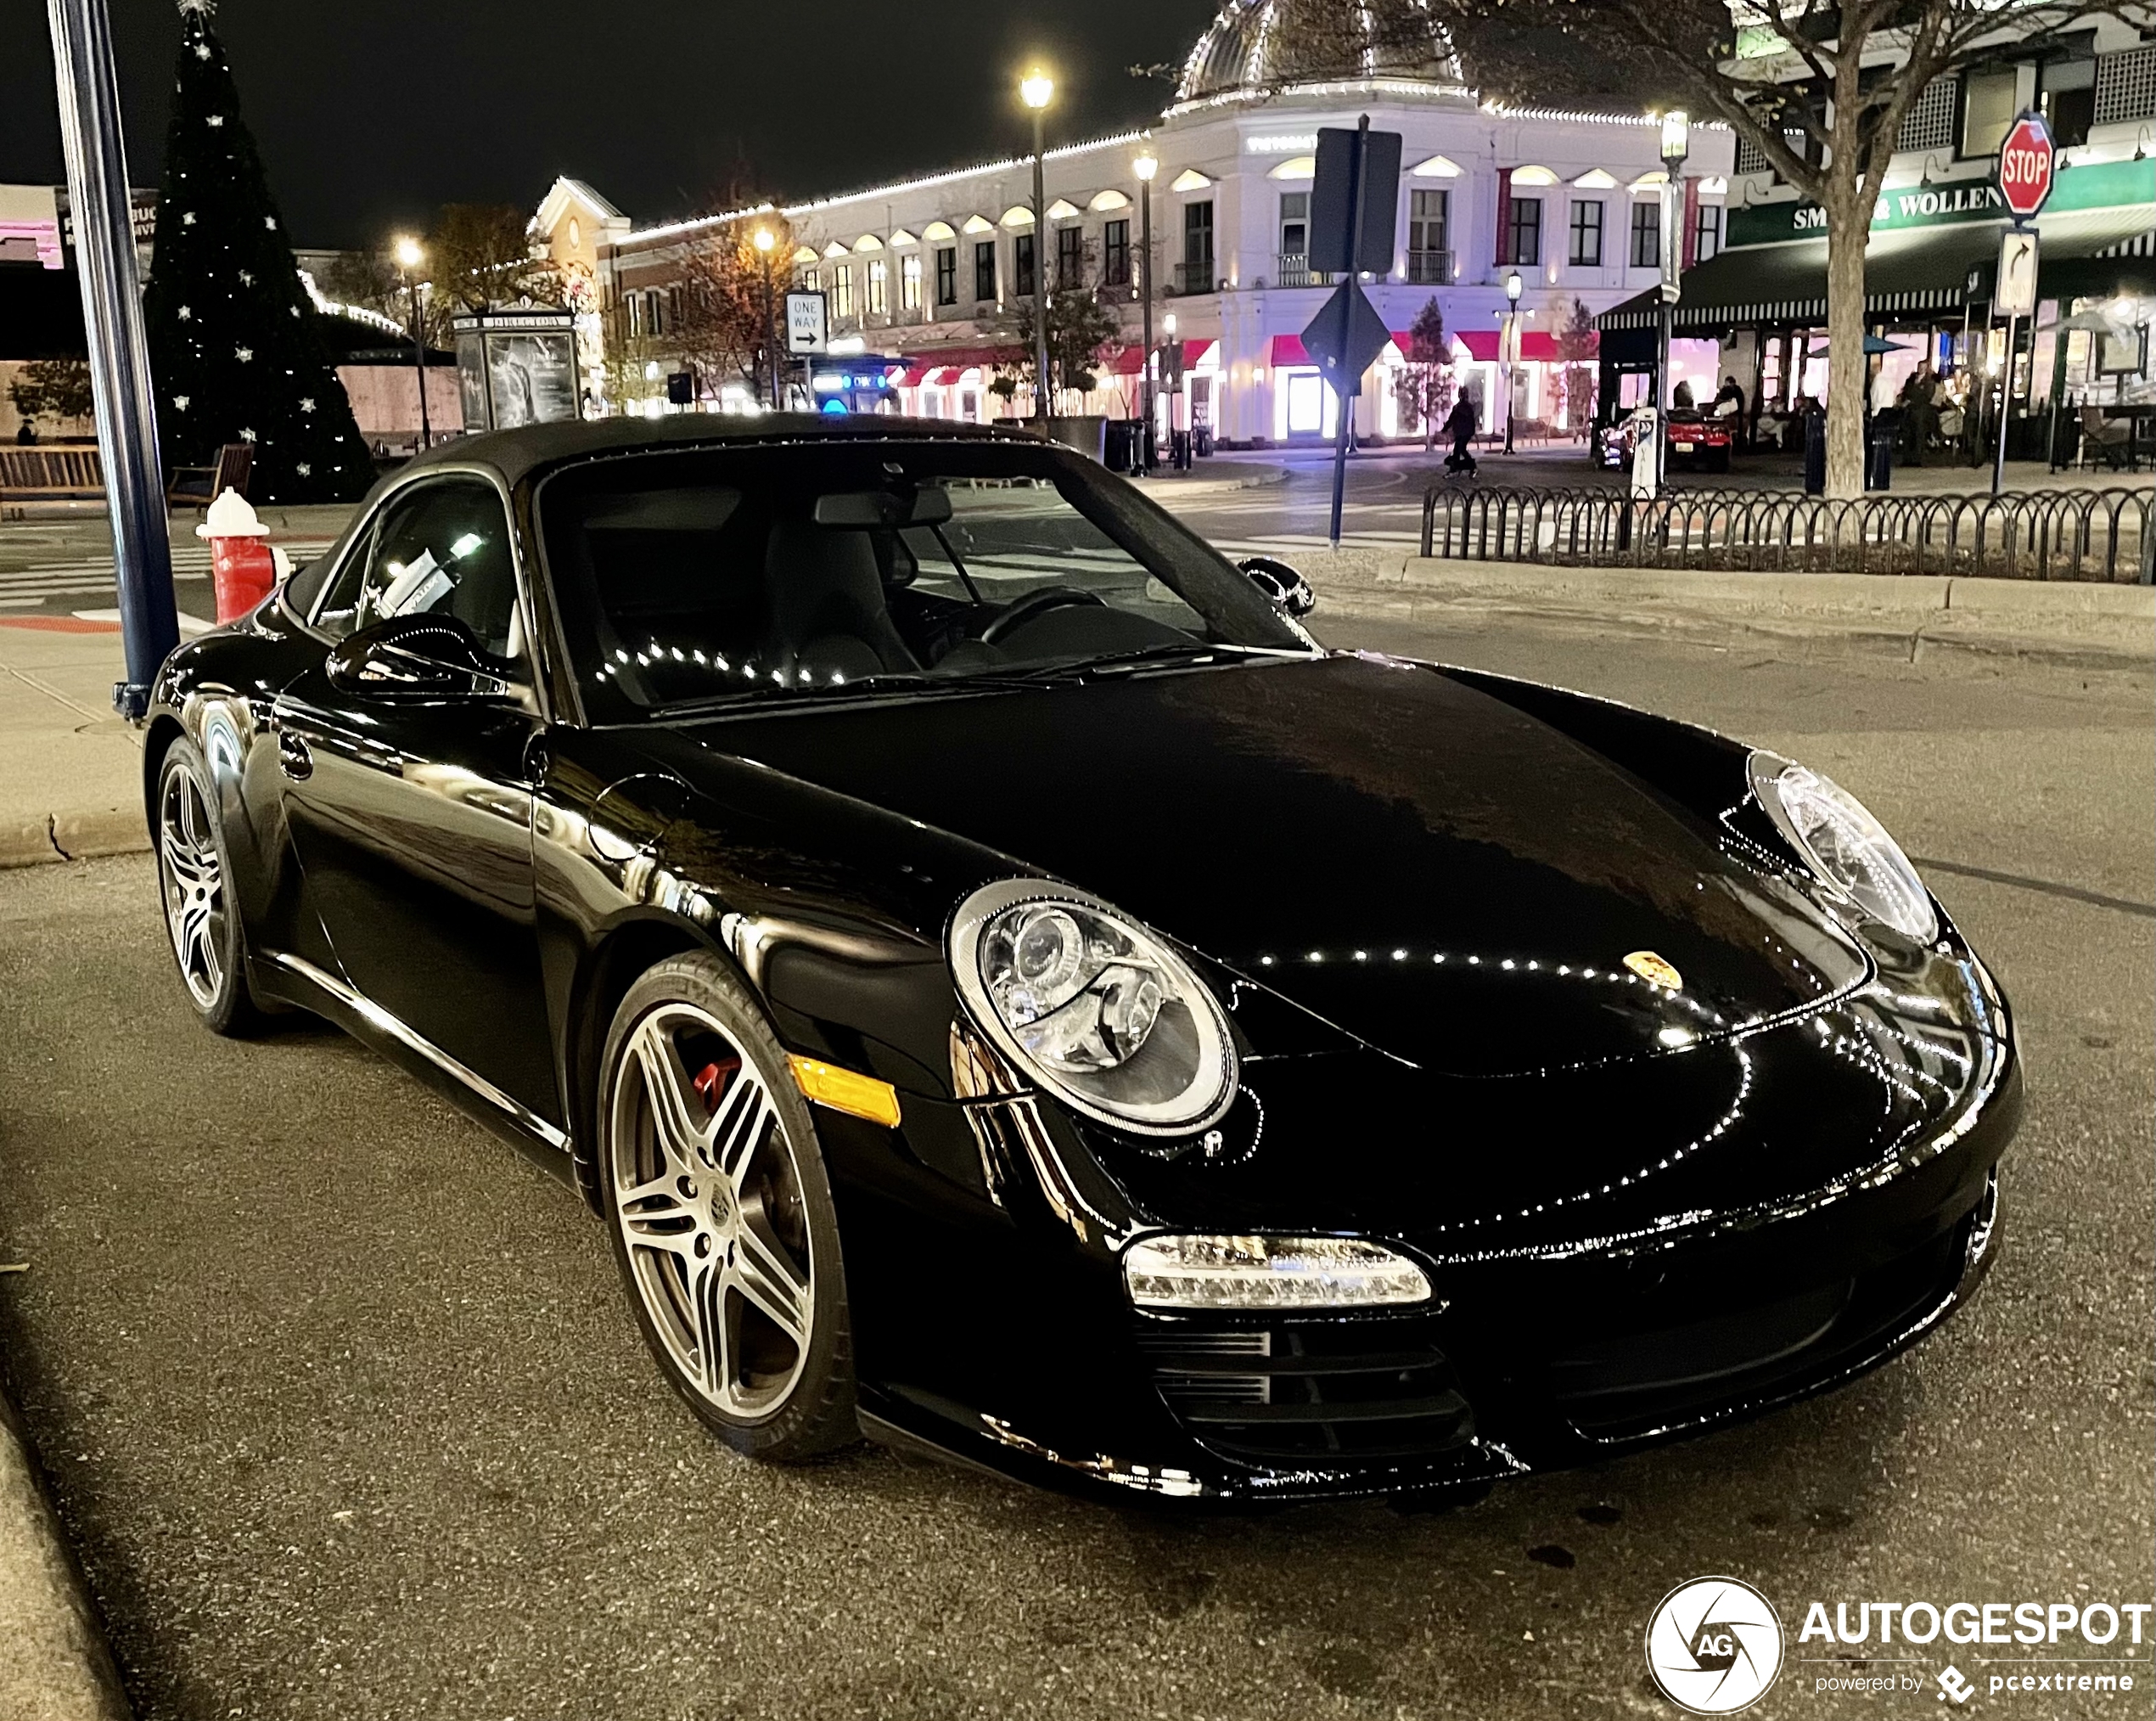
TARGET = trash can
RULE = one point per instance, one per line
(1115, 444)
(1815, 454)
(1201, 442)
(1879, 454)
(1179, 450)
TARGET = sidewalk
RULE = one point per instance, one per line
(70, 770)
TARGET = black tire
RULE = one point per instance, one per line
(202, 917)
(733, 1230)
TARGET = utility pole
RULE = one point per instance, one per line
(1344, 404)
(1037, 90)
(112, 317)
(1145, 167)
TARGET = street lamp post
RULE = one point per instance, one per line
(1145, 167)
(1513, 287)
(409, 256)
(766, 243)
(1676, 145)
(1038, 89)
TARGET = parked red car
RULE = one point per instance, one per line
(1696, 439)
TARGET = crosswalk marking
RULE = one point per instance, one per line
(93, 576)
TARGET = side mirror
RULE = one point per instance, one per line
(416, 658)
(1285, 589)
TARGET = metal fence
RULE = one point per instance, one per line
(2091, 535)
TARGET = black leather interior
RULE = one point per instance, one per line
(827, 611)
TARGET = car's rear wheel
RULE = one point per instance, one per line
(194, 880)
(721, 1215)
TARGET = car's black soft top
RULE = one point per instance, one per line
(516, 455)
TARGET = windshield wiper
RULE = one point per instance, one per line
(1191, 651)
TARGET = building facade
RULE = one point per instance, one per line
(929, 272)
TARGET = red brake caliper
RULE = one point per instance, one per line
(710, 1082)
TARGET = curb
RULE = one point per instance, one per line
(54, 1664)
(2078, 625)
(72, 837)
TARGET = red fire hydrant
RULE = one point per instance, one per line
(242, 567)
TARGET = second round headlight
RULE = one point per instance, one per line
(1093, 1007)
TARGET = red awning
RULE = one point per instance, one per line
(915, 375)
(1536, 345)
(1288, 349)
(1131, 359)
(944, 375)
(919, 365)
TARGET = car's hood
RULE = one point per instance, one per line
(1427, 867)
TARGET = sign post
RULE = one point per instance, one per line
(1354, 197)
(2027, 168)
(808, 335)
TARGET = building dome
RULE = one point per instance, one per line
(1257, 48)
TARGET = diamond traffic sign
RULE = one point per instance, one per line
(2025, 167)
(1346, 338)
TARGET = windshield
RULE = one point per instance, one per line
(719, 576)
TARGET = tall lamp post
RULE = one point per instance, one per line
(1512, 286)
(1676, 145)
(766, 243)
(1038, 89)
(1145, 167)
(409, 256)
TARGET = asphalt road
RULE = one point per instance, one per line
(340, 1402)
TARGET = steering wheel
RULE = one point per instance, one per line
(1022, 610)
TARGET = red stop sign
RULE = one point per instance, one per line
(2025, 165)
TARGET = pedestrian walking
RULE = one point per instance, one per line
(1461, 427)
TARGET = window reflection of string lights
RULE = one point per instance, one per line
(662, 655)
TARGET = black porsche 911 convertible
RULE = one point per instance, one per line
(1006, 990)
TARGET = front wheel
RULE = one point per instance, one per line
(195, 878)
(721, 1215)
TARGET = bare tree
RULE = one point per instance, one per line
(1577, 346)
(732, 291)
(1820, 88)
(1424, 385)
(478, 255)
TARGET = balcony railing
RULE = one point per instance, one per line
(1429, 269)
(1195, 277)
(1293, 269)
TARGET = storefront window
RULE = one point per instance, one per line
(909, 283)
(1070, 257)
(1706, 232)
(1586, 233)
(984, 269)
(1115, 253)
(1647, 235)
(1527, 232)
(878, 290)
(946, 275)
(1197, 236)
(1987, 109)
(1294, 224)
(1430, 249)
(842, 290)
(1022, 251)
(2069, 99)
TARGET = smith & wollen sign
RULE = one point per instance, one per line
(2094, 185)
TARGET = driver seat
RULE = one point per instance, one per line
(825, 597)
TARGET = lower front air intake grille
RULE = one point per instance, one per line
(1357, 1391)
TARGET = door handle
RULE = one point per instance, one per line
(294, 756)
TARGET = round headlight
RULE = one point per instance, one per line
(1092, 1007)
(1846, 846)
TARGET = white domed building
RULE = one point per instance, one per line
(927, 271)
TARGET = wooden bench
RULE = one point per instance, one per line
(197, 487)
(62, 473)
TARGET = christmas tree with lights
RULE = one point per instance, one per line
(235, 343)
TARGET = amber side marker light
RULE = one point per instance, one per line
(843, 1090)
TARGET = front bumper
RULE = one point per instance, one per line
(1842, 1207)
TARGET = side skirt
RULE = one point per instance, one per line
(302, 982)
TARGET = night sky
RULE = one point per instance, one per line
(370, 115)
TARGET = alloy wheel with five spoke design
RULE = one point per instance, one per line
(708, 1201)
(194, 884)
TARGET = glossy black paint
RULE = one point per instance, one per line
(1413, 887)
